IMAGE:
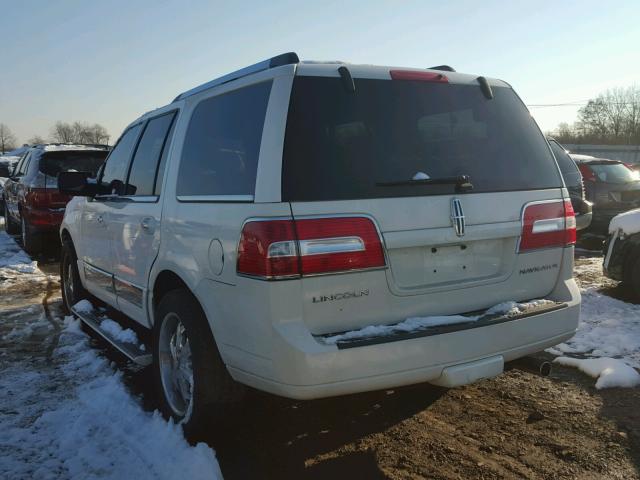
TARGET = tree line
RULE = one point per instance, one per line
(612, 118)
(61, 132)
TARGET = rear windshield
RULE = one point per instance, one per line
(613, 172)
(341, 145)
(52, 163)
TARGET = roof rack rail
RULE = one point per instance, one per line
(444, 68)
(277, 61)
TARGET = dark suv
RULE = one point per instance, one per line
(612, 187)
(32, 203)
(575, 185)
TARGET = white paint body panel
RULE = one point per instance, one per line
(264, 330)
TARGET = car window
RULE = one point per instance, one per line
(564, 160)
(613, 172)
(342, 145)
(21, 167)
(144, 167)
(163, 160)
(113, 175)
(52, 163)
(222, 143)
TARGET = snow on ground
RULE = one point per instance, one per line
(74, 418)
(414, 324)
(15, 264)
(610, 372)
(65, 412)
(609, 330)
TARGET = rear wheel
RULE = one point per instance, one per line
(31, 241)
(72, 289)
(9, 225)
(192, 383)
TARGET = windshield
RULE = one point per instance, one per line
(613, 173)
(52, 163)
(347, 145)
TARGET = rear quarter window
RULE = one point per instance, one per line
(222, 143)
(342, 145)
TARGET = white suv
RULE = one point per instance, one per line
(318, 229)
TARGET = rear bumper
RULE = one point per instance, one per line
(583, 220)
(306, 369)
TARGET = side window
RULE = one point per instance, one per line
(564, 161)
(142, 176)
(222, 143)
(163, 160)
(21, 167)
(114, 172)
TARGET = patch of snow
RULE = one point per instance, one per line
(414, 324)
(73, 418)
(83, 306)
(421, 176)
(15, 265)
(116, 331)
(610, 372)
(628, 222)
(69, 146)
(608, 328)
(109, 326)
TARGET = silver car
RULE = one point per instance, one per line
(318, 229)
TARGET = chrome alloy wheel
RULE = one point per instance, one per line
(176, 367)
(67, 281)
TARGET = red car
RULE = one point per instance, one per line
(32, 203)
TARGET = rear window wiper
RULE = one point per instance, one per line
(461, 182)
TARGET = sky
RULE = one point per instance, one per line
(109, 62)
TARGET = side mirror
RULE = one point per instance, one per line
(77, 184)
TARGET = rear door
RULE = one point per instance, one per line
(135, 218)
(95, 241)
(449, 249)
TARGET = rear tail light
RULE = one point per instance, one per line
(278, 249)
(587, 173)
(546, 225)
(45, 198)
(419, 76)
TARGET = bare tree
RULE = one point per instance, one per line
(8, 140)
(613, 117)
(96, 133)
(79, 132)
(35, 140)
(62, 132)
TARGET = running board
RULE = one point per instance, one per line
(129, 350)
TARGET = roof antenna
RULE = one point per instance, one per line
(485, 87)
(347, 79)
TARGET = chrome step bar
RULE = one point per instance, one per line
(132, 352)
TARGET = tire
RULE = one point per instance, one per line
(31, 241)
(9, 225)
(632, 275)
(71, 286)
(211, 391)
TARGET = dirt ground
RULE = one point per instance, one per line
(519, 425)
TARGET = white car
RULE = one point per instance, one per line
(319, 229)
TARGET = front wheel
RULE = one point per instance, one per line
(193, 384)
